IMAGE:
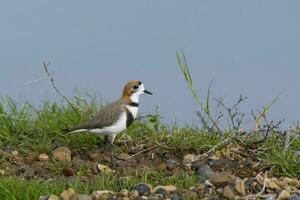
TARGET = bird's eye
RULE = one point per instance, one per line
(135, 87)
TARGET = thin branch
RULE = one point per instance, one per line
(50, 77)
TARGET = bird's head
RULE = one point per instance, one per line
(133, 90)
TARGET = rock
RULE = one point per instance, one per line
(122, 156)
(82, 197)
(44, 198)
(136, 149)
(142, 189)
(43, 157)
(15, 153)
(270, 197)
(228, 192)
(239, 186)
(294, 197)
(68, 171)
(171, 164)
(204, 172)
(297, 153)
(2, 172)
(62, 154)
(221, 179)
(53, 197)
(291, 182)
(160, 191)
(134, 194)
(94, 156)
(102, 195)
(190, 195)
(283, 195)
(174, 196)
(271, 184)
(30, 159)
(189, 159)
(103, 168)
(68, 194)
(124, 193)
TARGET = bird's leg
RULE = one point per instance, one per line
(111, 144)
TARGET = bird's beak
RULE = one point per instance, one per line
(147, 92)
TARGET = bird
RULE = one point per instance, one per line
(115, 117)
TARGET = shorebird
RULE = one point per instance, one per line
(115, 117)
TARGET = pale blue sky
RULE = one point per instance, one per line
(248, 47)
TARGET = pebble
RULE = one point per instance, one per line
(294, 197)
(44, 198)
(270, 197)
(136, 149)
(190, 195)
(62, 154)
(283, 195)
(221, 179)
(122, 156)
(174, 196)
(100, 195)
(160, 191)
(142, 189)
(239, 186)
(43, 157)
(229, 192)
(68, 171)
(53, 197)
(171, 164)
(68, 194)
(204, 172)
(83, 197)
(103, 168)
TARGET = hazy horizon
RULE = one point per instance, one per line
(247, 47)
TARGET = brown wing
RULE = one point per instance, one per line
(105, 117)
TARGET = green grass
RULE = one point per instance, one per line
(28, 129)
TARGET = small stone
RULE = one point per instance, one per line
(270, 197)
(144, 198)
(171, 164)
(62, 154)
(189, 158)
(43, 157)
(122, 156)
(239, 186)
(2, 172)
(44, 198)
(68, 171)
(160, 190)
(297, 153)
(15, 153)
(94, 156)
(68, 194)
(271, 184)
(174, 196)
(190, 195)
(124, 193)
(229, 192)
(82, 197)
(167, 188)
(136, 149)
(103, 168)
(294, 197)
(134, 194)
(142, 189)
(30, 159)
(102, 195)
(204, 172)
(53, 197)
(221, 179)
(283, 195)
